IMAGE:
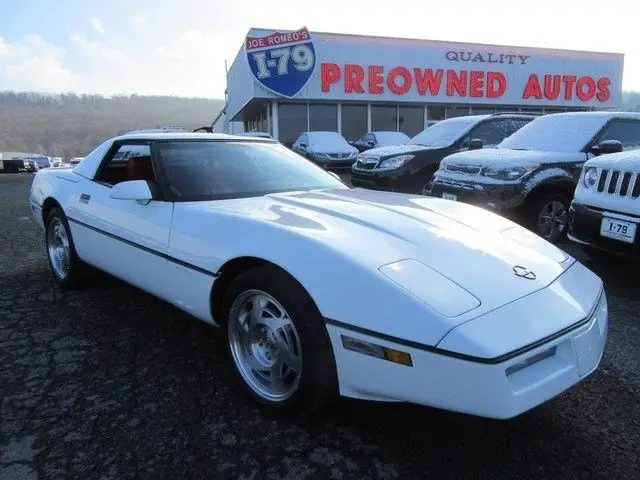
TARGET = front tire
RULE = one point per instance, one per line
(66, 266)
(277, 342)
(548, 216)
(423, 186)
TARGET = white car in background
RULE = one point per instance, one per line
(605, 212)
(326, 149)
(70, 163)
(321, 289)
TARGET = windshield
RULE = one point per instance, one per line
(209, 170)
(556, 133)
(443, 134)
(327, 139)
(391, 138)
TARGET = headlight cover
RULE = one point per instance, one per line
(508, 173)
(590, 177)
(394, 162)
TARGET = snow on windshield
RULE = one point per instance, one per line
(327, 139)
(444, 133)
(391, 138)
(556, 133)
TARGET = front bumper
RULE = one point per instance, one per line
(584, 228)
(494, 388)
(501, 198)
(398, 180)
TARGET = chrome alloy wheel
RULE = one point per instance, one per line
(58, 248)
(264, 345)
(552, 220)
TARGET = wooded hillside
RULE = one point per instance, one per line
(631, 101)
(72, 125)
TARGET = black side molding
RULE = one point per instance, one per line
(169, 258)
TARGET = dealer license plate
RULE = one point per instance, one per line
(618, 229)
(449, 196)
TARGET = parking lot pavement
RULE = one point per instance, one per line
(108, 382)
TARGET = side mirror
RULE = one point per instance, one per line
(476, 144)
(607, 146)
(302, 145)
(137, 190)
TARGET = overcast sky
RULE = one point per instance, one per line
(178, 47)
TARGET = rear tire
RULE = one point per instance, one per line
(278, 342)
(548, 216)
(67, 268)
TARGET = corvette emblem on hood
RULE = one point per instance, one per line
(524, 273)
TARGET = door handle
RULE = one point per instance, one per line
(85, 197)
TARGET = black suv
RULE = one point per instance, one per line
(531, 176)
(410, 167)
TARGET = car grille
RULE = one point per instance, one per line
(339, 155)
(454, 183)
(467, 169)
(616, 182)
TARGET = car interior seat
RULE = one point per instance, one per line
(140, 168)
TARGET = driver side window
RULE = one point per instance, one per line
(128, 162)
(493, 132)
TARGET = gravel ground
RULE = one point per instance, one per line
(108, 382)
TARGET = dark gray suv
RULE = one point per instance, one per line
(532, 174)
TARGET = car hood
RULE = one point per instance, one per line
(475, 250)
(507, 157)
(629, 161)
(394, 150)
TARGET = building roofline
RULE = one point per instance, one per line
(445, 42)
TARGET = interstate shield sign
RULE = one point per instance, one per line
(282, 62)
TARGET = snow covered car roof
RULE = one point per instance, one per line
(321, 135)
(561, 132)
(327, 139)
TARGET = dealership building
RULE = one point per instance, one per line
(287, 82)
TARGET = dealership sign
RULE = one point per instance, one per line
(335, 67)
(492, 84)
(282, 62)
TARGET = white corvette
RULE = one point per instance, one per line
(322, 289)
